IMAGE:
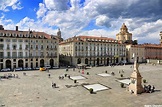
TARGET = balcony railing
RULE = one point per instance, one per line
(12, 57)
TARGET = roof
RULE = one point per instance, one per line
(35, 34)
(147, 45)
(87, 38)
(95, 37)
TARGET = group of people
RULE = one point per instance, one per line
(53, 85)
(10, 75)
(61, 77)
(149, 89)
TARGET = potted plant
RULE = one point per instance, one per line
(75, 81)
(144, 81)
(121, 75)
(91, 90)
(122, 85)
(65, 75)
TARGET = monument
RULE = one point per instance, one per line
(135, 86)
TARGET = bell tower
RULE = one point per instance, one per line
(59, 33)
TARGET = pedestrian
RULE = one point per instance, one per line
(49, 75)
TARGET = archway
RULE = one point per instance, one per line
(8, 64)
(20, 63)
(117, 60)
(51, 62)
(98, 61)
(86, 61)
(107, 61)
(122, 59)
(42, 63)
(31, 65)
(137, 59)
(36, 64)
(79, 61)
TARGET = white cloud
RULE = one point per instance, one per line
(102, 20)
(73, 18)
(57, 5)
(42, 10)
(15, 4)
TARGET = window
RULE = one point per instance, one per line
(8, 46)
(14, 54)
(20, 47)
(8, 34)
(14, 34)
(41, 53)
(14, 46)
(7, 40)
(1, 46)
(8, 54)
(1, 34)
(26, 47)
(36, 46)
(14, 40)
(20, 40)
(26, 40)
(1, 40)
(1, 54)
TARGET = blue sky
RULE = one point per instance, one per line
(85, 17)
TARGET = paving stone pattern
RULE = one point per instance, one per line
(35, 89)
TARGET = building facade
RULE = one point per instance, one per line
(161, 37)
(153, 53)
(27, 49)
(91, 50)
(133, 51)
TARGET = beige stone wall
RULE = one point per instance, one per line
(95, 52)
(138, 51)
(28, 50)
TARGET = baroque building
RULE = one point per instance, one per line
(27, 49)
(124, 36)
(91, 50)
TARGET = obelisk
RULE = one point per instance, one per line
(135, 86)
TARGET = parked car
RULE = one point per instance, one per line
(48, 66)
(36, 68)
(42, 69)
(28, 68)
(55, 67)
(5, 69)
(18, 69)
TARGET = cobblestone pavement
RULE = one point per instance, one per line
(35, 90)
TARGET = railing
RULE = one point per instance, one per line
(12, 57)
